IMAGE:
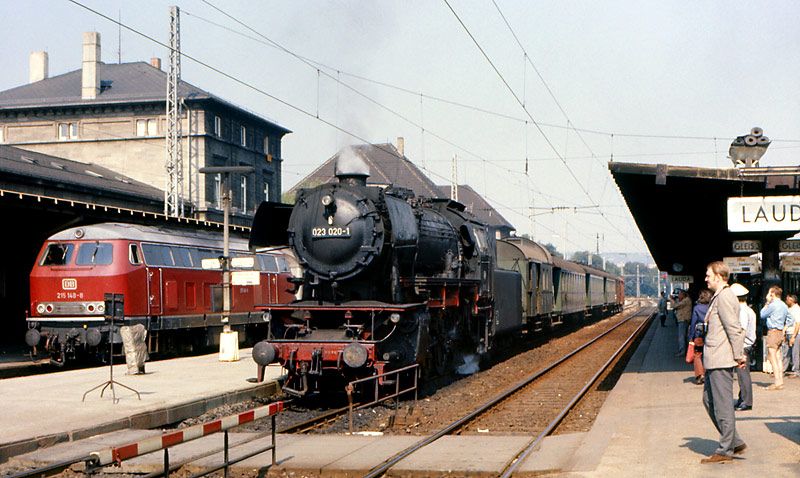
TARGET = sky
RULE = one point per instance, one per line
(533, 98)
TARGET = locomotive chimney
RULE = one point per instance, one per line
(351, 168)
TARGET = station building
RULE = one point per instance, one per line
(114, 115)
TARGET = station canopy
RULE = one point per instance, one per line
(681, 212)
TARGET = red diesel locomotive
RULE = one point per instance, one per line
(159, 272)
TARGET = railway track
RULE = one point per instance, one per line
(544, 394)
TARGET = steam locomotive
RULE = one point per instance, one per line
(391, 279)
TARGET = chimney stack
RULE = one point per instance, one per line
(155, 63)
(91, 66)
(38, 66)
(401, 146)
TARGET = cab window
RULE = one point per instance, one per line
(57, 255)
(94, 254)
(133, 254)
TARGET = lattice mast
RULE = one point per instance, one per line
(173, 194)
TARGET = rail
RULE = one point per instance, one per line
(384, 467)
(378, 399)
(563, 413)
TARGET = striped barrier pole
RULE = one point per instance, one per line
(132, 450)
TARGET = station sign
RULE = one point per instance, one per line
(790, 264)
(764, 213)
(245, 278)
(681, 279)
(743, 265)
(789, 246)
(211, 264)
(747, 246)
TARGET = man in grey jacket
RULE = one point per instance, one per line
(722, 352)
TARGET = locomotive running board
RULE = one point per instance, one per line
(360, 307)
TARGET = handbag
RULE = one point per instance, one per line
(690, 353)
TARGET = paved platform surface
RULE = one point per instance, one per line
(653, 424)
(41, 410)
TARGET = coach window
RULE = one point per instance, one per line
(268, 263)
(57, 255)
(133, 254)
(182, 257)
(283, 266)
(154, 255)
(94, 254)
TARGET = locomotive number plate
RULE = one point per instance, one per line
(324, 232)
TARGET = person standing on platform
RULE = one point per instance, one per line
(699, 317)
(722, 352)
(683, 314)
(778, 318)
(791, 347)
(747, 318)
(662, 307)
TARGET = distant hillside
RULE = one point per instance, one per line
(624, 257)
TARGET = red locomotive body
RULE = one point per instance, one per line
(159, 272)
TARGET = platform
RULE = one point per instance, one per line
(652, 424)
(42, 410)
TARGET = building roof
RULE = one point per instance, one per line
(53, 176)
(477, 205)
(682, 211)
(386, 165)
(121, 83)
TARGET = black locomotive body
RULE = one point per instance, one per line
(391, 279)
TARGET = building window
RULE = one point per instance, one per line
(266, 148)
(217, 126)
(266, 190)
(146, 127)
(244, 192)
(2, 136)
(218, 191)
(244, 136)
(67, 131)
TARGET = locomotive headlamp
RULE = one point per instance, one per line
(327, 200)
(354, 355)
(395, 318)
(40, 308)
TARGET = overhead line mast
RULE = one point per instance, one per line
(173, 194)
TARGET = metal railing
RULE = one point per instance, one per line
(378, 398)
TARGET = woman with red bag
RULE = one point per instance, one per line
(696, 337)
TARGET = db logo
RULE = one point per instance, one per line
(69, 284)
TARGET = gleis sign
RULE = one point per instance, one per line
(770, 213)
